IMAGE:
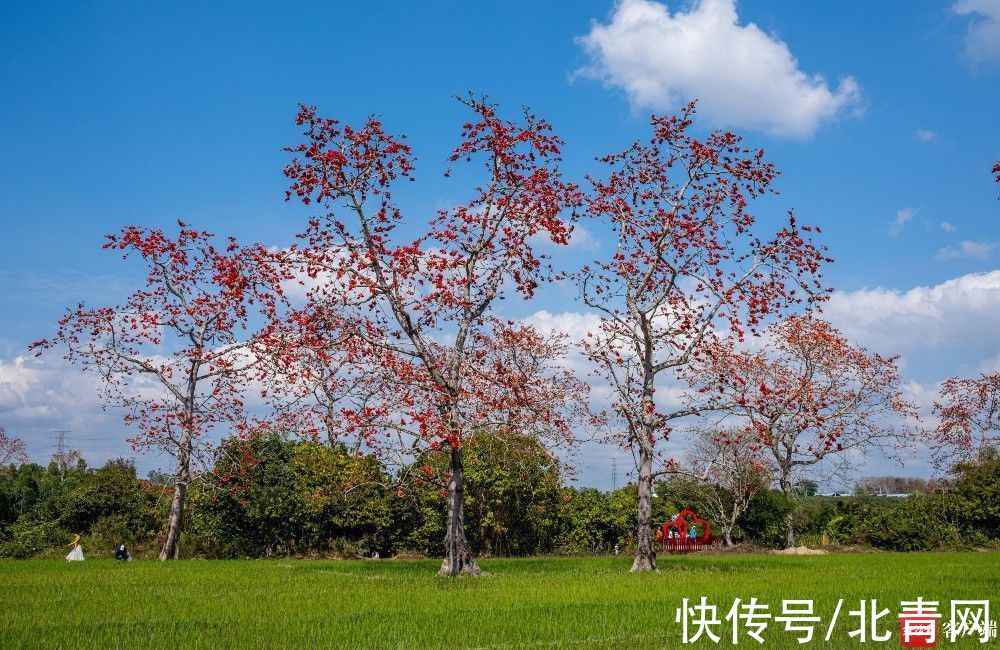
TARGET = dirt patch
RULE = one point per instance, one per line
(801, 550)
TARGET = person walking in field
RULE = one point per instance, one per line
(76, 554)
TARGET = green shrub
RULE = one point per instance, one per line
(763, 523)
(31, 538)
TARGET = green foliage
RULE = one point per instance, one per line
(592, 521)
(974, 503)
(676, 494)
(512, 491)
(763, 523)
(107, 499)
(30, 537)
(807, 488)
(908, 524)
(963, 513)
(512, 495)
(271, 496)
(41, 509)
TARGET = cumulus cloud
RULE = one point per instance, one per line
(952, 328)
(964, 309)
(39, 395)
(979, 250)
(926, 136)
(948, 226)
(982, 39)
(945, 329)
(742, 76)
(43, 391)
(903, 216)
(574, 324)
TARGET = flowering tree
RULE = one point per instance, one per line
(736, 470)
(312, 375)
(686, 261)
(176, 355)
(12, 449)
(418, 311)
(969, 418)
(810, 398)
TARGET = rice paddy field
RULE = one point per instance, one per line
(540, 602)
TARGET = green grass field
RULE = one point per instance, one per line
(590, 602)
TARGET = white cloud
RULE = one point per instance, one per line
(43, 394)
(575, 324)
(40, 395)
(951, 328)
(741, 76)
(926, 136)
(982, 40)
(980, 250)
(45, 390)
(948, 226)
(583, 240)
(961, 311)
(903, 216)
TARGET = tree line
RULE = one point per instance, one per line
(385, 332)
(298, 498)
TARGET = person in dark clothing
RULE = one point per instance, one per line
(122, 554)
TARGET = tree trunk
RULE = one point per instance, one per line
(175, 522)
(645, 551)
(458, 556)
(171, 545)
(786, 487)
(727, 537)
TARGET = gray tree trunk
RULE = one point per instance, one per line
(458, 556)
(175, 521)
(786, 487)
(645, 551)
(790, 534)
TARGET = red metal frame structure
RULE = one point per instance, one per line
(681, 542)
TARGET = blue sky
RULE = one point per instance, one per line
(882, 117)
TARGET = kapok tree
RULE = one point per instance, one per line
(12, 449)
(736, 470)
(422, 306)
(177, 354)
(968, 411)
(311, 375)
(810, 398)
(516, 396)
(686, 260)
